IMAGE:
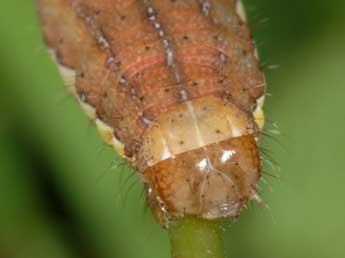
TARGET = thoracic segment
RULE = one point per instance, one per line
(192, 125)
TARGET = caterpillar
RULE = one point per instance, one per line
(175, 87)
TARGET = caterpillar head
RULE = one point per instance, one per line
(200, 158)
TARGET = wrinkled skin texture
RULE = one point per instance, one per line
(135, 61)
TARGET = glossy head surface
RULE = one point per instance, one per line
(211, 182)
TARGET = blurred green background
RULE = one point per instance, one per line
(64, 194)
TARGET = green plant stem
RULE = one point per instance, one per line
(192, 237)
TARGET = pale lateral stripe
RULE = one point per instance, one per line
(240, 10)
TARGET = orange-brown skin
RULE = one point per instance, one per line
(137, 59)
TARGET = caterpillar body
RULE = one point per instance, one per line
(175, 87)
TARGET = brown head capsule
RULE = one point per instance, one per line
(175, 87)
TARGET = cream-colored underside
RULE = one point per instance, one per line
(240, 10)
(258, 112)
(106, 132)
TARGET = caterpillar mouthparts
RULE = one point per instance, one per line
(175, 87)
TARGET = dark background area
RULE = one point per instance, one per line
(64, 194)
